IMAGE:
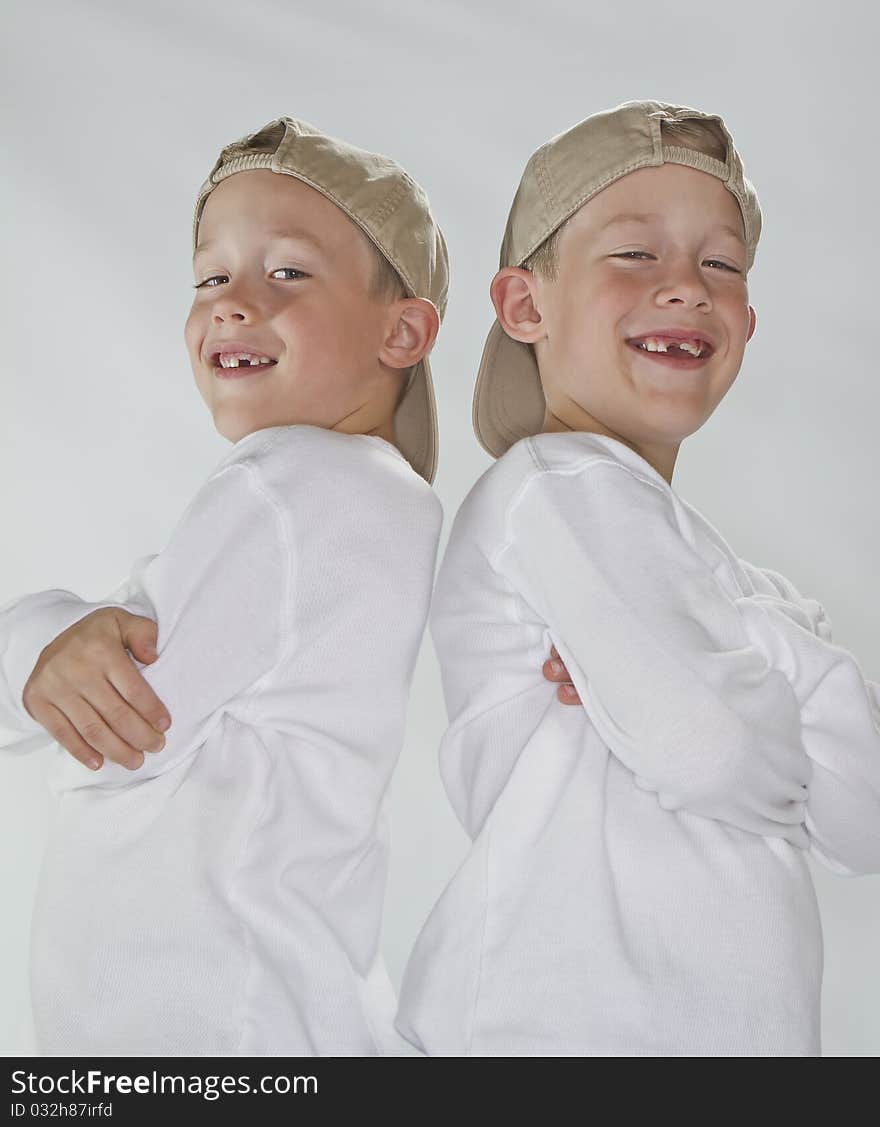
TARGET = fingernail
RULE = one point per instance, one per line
(163, 724)
(94, 764)
(556, 667)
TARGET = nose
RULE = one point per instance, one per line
(234, 303)
(684, 285)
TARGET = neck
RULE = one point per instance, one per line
(659, 457)
(384, 430)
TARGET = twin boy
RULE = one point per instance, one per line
(637, 880)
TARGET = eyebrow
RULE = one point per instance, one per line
(297, 234)
(650, 217)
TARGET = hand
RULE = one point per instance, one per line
(554, 670)
(87, 693)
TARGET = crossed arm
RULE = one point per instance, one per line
(842, 811)
(207, 632)
(715, 700)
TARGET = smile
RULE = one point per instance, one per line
(671, 359)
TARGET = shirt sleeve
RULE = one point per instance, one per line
(656, 647)
(219, 593)
(840, 718)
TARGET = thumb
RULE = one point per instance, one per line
(139, 635)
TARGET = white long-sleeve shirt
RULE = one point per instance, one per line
(226, 897)
(633, 886)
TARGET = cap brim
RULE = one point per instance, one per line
(508, 398)
(415, 423)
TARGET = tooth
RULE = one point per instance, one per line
(656, 344)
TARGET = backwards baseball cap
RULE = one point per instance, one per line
(391, 210)
(559, 177)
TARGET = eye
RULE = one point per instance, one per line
(289, 270)
(214, 277)
(644, 254)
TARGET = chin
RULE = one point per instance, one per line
(231, 428)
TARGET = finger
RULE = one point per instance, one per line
(121, 718)
(560, 665)
(128, 681)
(555, 671)
(93, 728)
(568, 694)
(139, 634)
(64, 733)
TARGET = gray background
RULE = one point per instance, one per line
(114, 114)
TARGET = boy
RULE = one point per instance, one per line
(224, 896)
(637, 883)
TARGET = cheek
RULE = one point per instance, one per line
(347, 331)
(600, 295)
(193, 332)
(203, 382)
(306, 330)
(733, 310)
(590, 319)
(194, 335)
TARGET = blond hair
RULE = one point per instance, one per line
(386, 286)
(699, 134)
(385, 283)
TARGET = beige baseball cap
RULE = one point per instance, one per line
(559, 177)
(392, 211)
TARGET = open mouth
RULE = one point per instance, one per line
(235, 365)
(673, 354)
(232, 362)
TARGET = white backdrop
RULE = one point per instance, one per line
(113, 115)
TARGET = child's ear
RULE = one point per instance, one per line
(415, 323)
(515, 293)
